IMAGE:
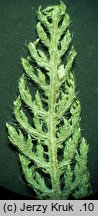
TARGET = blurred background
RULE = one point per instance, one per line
(17, 29)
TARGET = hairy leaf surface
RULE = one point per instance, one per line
(52, 152)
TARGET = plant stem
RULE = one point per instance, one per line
(52, 120)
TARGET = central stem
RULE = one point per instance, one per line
(52, 120)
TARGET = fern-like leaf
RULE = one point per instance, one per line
(52, 153)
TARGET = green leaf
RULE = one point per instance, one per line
(42, 34)
(52, 152)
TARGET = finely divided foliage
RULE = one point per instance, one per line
(52, 153)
